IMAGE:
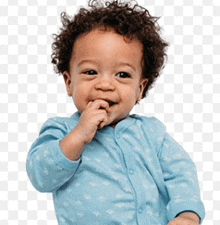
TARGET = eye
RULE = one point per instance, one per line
(123, 75)
(90, 72)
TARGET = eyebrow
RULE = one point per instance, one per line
(86, 61)
(127, 64)
(93, 61)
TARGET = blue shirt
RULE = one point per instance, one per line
(133, 174)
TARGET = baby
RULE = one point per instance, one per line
(103, 165)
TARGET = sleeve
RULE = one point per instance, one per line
(47, 167)
(180, 178)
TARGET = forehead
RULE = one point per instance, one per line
(107, 44)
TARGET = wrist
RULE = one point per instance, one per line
(73, 145)
(81, 135)
(190, 216)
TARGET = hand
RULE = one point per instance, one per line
(94, 117)
(182, 221)
(186, 218)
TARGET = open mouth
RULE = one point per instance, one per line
(111, 103)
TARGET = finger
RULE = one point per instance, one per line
(101, 125)
(89, 104)
(100, 104)
(103, 122)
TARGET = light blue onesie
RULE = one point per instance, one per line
(133, 174)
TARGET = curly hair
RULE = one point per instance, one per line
(127, 20)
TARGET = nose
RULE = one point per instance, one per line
(105, 83)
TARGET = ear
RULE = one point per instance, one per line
(67, 80)
(142, 86)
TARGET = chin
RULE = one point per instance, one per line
(115, 122)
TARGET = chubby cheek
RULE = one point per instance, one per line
(131, 97)
(129, 104)
(80, 99)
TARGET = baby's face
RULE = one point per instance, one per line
(104, 66)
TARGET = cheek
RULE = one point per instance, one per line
(132, 94)
(138, 93)
(130, 98)
(78, 90)
(80, 96)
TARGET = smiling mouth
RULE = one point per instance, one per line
(112, 103)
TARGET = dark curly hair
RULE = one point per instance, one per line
(127, 20)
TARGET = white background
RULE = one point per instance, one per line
(186, 97)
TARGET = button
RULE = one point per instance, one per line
(131, 171)
(140, 210)
(118, 136)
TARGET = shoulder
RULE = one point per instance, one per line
(150, 123)
(62, 123)
(153, 129)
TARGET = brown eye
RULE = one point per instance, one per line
(90, 72)
(123, 75)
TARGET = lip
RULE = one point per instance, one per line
(110, 102)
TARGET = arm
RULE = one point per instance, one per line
(181, 181)
(186, 218)
(55, 156)
(94, 117)
(47, 167)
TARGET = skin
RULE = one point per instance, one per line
(104, 69)
(105, 82)
(186, 218)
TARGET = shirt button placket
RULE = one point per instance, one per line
(140, 210)
(131, 171)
